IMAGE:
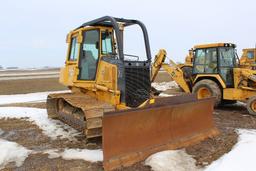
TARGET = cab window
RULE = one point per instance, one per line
(205, 61)
(250, 54)
(227, 57)
(74, 49)
(106, 43)
(227, 61)
(89, 55)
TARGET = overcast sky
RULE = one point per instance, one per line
(33, 32)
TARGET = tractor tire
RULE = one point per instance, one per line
(208, 88)
(251, 106)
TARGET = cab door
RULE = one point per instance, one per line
(68, 73)
(227, 63)
(89, 55)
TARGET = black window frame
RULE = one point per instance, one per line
(70, 50)
(81, 54)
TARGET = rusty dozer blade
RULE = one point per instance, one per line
(130, 136)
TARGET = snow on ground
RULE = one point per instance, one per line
(73, 154)
(76, 154)
(51, 128)
(30, 97)
(241, 157)
(12, 152)
(52, 153)
(172, 160)
(163, 86)
(83, 154)
(165, 95)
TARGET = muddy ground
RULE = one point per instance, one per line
(227, 119)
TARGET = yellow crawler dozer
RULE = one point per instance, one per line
(216, 72)
(111, 97)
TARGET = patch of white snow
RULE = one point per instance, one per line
(51, 128)
(83, 154)
(76, 154)
(165, 95)
(172, 160)
(12, 152)
(52, 153)
(163, 86)
(30, 97)
(241, 157)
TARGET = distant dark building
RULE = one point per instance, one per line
(12, 68)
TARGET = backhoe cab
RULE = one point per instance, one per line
(216, 72)
(215, 61)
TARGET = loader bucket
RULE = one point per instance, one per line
(130, 136)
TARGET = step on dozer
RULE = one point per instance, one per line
(130, 136)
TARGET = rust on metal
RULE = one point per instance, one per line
(130, 136)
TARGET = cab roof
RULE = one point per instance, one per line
(214, 45)
(249, 49)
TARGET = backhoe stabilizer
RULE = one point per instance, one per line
(130, 136)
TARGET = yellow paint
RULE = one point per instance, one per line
(205, 76)
(211, 45)
(203, 92)
(177, 75)
(151, 101)
(238, 94)
(245, 60)
(104, 87)
(159, 60)
(189, 58)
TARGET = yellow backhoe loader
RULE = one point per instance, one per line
(111, 97)
(248, 58)
(216, 72)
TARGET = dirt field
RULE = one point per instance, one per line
(30, 136)
(29, 86)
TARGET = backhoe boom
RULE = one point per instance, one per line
(172, 69)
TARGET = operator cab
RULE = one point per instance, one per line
(219, 58)
(100, 52)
